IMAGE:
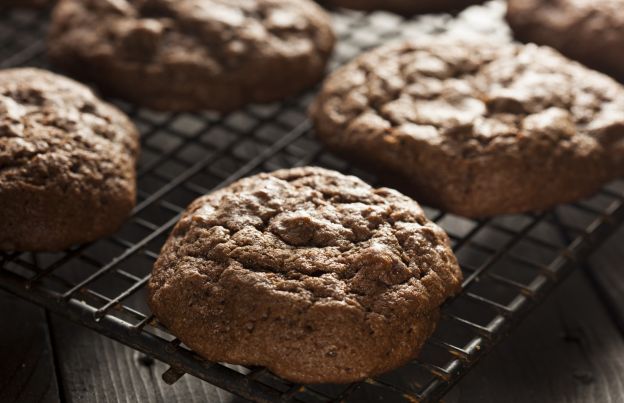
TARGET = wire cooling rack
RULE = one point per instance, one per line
(510, 263)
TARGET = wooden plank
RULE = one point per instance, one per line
(94, 368)
(567, 351)
(607, 271)
(27, 371)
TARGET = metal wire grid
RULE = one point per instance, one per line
(509, 263)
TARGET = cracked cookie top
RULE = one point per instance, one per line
(319, 236)
(54, 130)
(219, 35)
(469, 99)
(185, 55)
(590, 31)
(67, 163)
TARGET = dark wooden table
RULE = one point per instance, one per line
(571, 349)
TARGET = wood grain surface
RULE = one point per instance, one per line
(606, 269)
(569, 350)
(27, 372)
(94, 368)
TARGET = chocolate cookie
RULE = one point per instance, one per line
(313, 274)
(404, 6)
(193, 54)
(477, 129)
(590, 31)
(66, 163)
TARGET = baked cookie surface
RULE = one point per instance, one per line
(590, 31)
(477, 129)
(193, 54)
(313, 274)
(67, 160)
(404, 6)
